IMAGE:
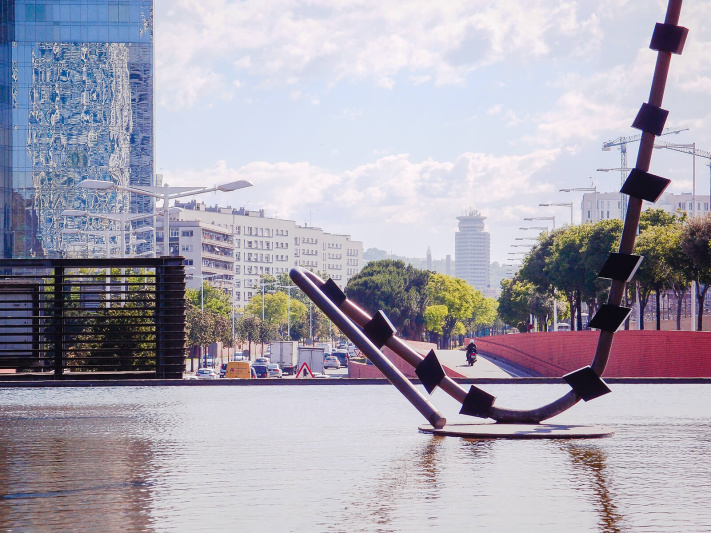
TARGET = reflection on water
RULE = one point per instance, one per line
(590, 467)
(342, 459)
(70, 467)
(411, 478)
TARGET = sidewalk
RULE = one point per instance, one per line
(483, 368)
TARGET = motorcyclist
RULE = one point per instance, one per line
(471, 353)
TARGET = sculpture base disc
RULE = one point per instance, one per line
(485, 430)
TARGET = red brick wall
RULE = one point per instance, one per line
(359, 370)
(634, 353)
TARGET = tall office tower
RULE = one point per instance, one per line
(76, 103)
(472, 251)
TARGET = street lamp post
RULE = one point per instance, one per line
(166, 193)
(588, 189)
(623, 197)
(555, 298)
(288, 307)
(561, 204)
(551, 218)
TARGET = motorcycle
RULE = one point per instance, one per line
(471, 358)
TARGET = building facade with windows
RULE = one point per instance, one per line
(472, 251)
(261, 246)
(76, 103)
(596, 206)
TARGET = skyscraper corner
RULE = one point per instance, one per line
(76, 103)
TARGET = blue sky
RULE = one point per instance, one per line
(386, 119)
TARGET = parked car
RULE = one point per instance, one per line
(274, 370)
(206, 373)
(331, 361)
(342, 357)
(261, 370)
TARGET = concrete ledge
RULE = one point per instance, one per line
(320, 382)
(484, 430)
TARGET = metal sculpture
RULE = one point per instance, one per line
(372, 333)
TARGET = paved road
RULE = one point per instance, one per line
(483, 368)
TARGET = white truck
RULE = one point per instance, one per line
(313, 357)
(284, 354)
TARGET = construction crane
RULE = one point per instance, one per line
(622, 142)
(691, 150)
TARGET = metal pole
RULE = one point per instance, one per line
(693, 214)
(369, 349)
(288, 313)
(555, 310)
(166, 223)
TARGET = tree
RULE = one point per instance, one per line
(435, 316)
(208, 316)
(455, 294)
(658, 217)
(514, 302)
(669, 243)
(484, 314)
(566, 268)
(216, 300)
(247, 329)
(199, 326)
(695, 239)
(399, 290)
(600, 239)
(654, 274)
(274, 306)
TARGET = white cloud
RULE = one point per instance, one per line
(281, 42)
(392, 197)
(494, 110)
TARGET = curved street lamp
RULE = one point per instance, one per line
(551, 218)
(167, 193)
(561, 204)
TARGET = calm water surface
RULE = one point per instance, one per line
(344, 458)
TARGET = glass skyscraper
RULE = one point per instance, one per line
(76, 103)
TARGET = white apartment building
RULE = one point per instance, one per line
(236, 247)
(597, 206)
(684, 202)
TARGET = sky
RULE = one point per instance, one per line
(386, 120)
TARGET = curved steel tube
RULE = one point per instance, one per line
(617, 288)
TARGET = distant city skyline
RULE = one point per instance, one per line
(386, 120)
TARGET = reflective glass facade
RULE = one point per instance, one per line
(76, 103)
